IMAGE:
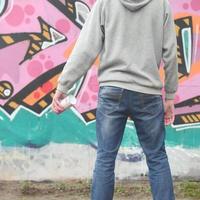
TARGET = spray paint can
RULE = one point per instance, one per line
(69, 100)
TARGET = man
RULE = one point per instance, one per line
(131, 37)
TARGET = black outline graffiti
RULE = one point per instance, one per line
(66, 11)
(5, 7)
(36, 39)
(188, 118)
(180, 24)
(31, 87)
(3, 86)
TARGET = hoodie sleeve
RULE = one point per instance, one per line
(170, 54)
(86, 49)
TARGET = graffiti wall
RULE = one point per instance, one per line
(36, 39)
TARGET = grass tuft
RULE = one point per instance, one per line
(190, 189)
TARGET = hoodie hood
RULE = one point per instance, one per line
(134, 4)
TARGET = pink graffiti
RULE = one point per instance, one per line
(27, 20)
(16, 16)
(49, 64)
(63, 25)
(87, 97)
(195, 4)
(29, 9)
(42, 56)
(185, 6)
(35, 68)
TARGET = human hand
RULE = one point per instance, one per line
(56, 105)
(169, 111)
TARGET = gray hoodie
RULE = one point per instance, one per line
(131, 38)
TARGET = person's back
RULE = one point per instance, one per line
(131, 37)
(133, 47)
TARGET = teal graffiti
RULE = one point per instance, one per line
(186, 35)
(26, 129)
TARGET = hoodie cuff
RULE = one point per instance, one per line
(62, 88)
(169, 96)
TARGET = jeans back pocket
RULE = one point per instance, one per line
(109, 98)
(151, 103)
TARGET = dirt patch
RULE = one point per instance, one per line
(80, 190)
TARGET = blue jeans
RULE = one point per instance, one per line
(115, 105)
